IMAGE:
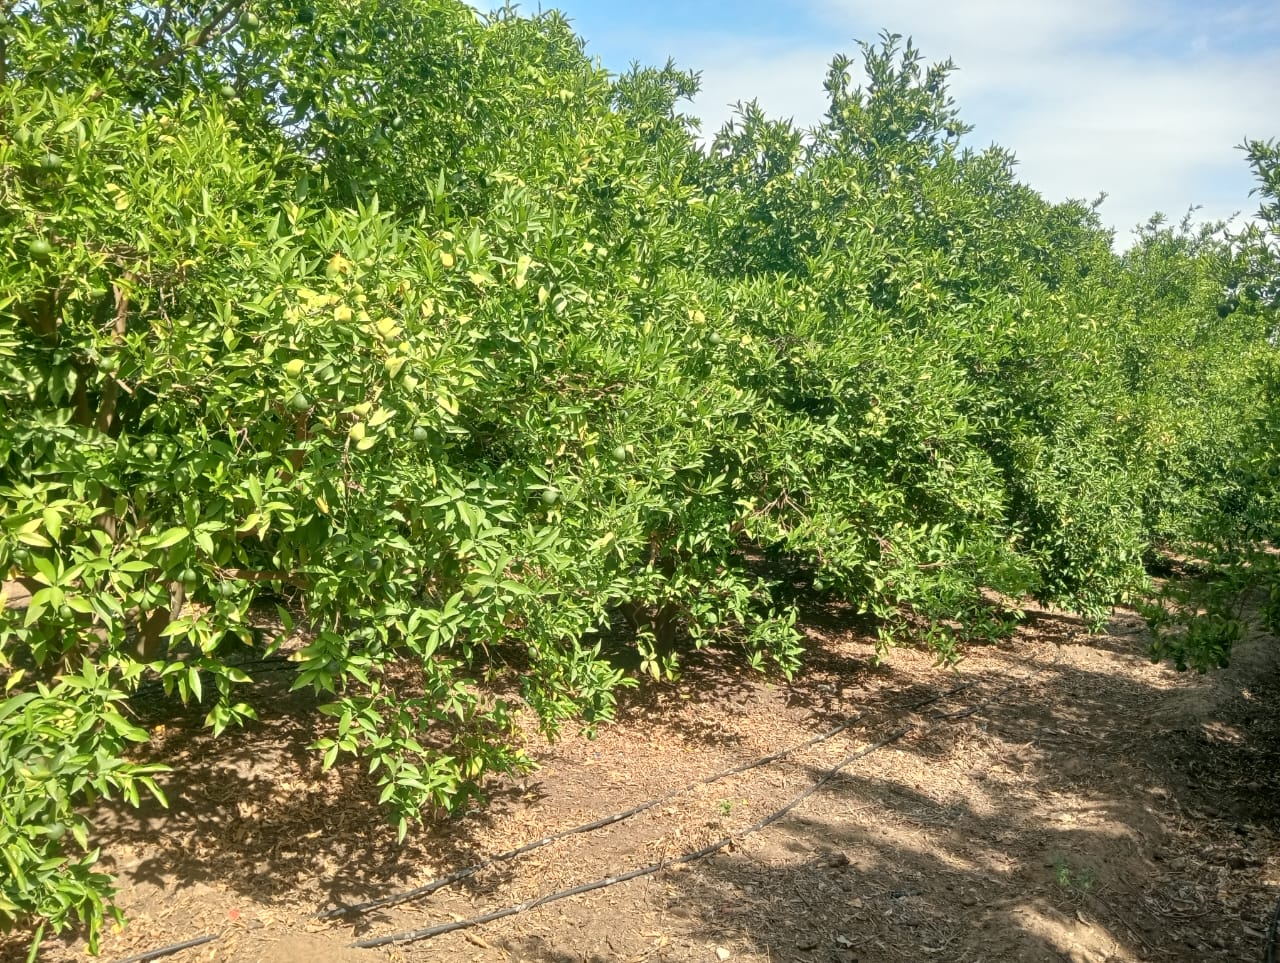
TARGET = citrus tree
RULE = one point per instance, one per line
(467, 429)
(420, 343)
(1210, 338)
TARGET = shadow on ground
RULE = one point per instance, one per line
(1060, 799)
(1055, 824)
(253, 810)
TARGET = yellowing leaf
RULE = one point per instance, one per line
(250, 523)
(446, 401)
(523, 264)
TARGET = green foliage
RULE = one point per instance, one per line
(60, 746)
(422, 331)
(938, 344)
(1075, 882)
(1208, 339)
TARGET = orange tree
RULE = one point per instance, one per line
(423, 330)
(1205, 305)
(940, 355)
(462, 414)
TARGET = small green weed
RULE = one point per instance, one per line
(1075, 881)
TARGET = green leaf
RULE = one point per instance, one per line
(170, 537)
(14, 703)
(53, 523)
(124, 728)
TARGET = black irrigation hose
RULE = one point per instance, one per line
(443, 881)
(1270, 955)
(412, 936)
(431, 886)
(430, 931)
(166, 950)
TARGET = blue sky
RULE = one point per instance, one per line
(1142, 99)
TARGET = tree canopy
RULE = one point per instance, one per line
(421, 329)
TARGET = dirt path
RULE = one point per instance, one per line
(1070, 802)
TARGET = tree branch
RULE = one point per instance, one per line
(168, 57)
(111, 393)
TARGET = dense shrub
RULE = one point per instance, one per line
(458, 351)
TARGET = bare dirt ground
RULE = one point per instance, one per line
(1070, 802)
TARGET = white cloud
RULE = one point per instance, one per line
(1145, 102)
(1020, 29)
(1156, 137)
(786, 82)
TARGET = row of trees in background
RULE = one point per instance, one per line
(425, 330)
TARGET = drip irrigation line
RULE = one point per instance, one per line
(167, 950)
(413, 936)
(468, 871)
(427, 932)
(426, 889)
(1272, 930)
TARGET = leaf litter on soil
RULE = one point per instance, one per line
(1107, 809)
